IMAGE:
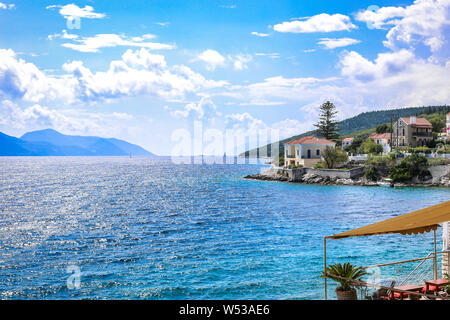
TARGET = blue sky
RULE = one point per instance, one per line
(141, 70)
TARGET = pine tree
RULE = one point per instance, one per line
(327, 127)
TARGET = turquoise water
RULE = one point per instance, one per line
(147, 229)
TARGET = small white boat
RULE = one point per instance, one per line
(386, 182)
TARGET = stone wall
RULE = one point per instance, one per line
(297, 173)
(335, 173)
(439, 171)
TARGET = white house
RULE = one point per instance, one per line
(347, 141)
(383, 139)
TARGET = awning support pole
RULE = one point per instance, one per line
(325, 265)
(435, 256)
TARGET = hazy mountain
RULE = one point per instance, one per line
(49, 142)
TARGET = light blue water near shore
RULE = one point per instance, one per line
(147, 229)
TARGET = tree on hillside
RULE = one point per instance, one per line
(370, 147)
(327, 127)
(383, 128)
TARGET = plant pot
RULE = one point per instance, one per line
(346, 295)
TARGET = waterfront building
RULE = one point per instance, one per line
(306, 151)
(412, 132)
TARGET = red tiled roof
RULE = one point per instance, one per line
(310, 140)
(348, 139)
(386, 135)
(420, 122)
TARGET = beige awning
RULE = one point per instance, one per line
(419, 221)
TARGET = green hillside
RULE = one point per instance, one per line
(362, 122)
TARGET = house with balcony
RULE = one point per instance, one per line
(412, 132)
(306, 151)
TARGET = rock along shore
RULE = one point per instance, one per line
(323, 177)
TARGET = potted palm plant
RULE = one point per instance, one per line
(345, 274)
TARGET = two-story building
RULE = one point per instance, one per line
(306, 151)
(412, 132)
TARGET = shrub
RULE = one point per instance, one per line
(281, 161)
(371, 174)
(378, 160)
(334, 157)
(422, 150)
(369, 146)
(438, 161)
(410, 167)
(319, 166)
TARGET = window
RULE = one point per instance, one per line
(318, 152)
(403, 132)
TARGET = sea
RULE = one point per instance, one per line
(146, 228)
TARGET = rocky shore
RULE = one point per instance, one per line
(321, 179)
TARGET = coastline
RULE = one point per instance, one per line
(320, 178)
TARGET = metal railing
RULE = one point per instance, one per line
(422, 134)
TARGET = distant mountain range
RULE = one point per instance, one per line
(49, 142)
(363, 121)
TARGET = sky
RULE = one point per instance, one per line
(144, 70)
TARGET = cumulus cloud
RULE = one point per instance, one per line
(93, 44)
(205, 109)
(423, 21)
(22, 80)
(214, 59)
(4, 6)
(319, 23)
(72, 10)
(138, 73)
(240, 61)
(329, 43)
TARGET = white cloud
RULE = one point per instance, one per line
(423, 21)
(22, 80)
(319, 23)
(212, 58)
(138, 73)
(262, 103)
(72, 10)
(93, 44)
(63, 35)
(259, 34)
(386, 65)
(162, 24)
(74, 121)
(240, 61)
(4, 6)
(329, 43)
(274, 55)
(205, 109)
